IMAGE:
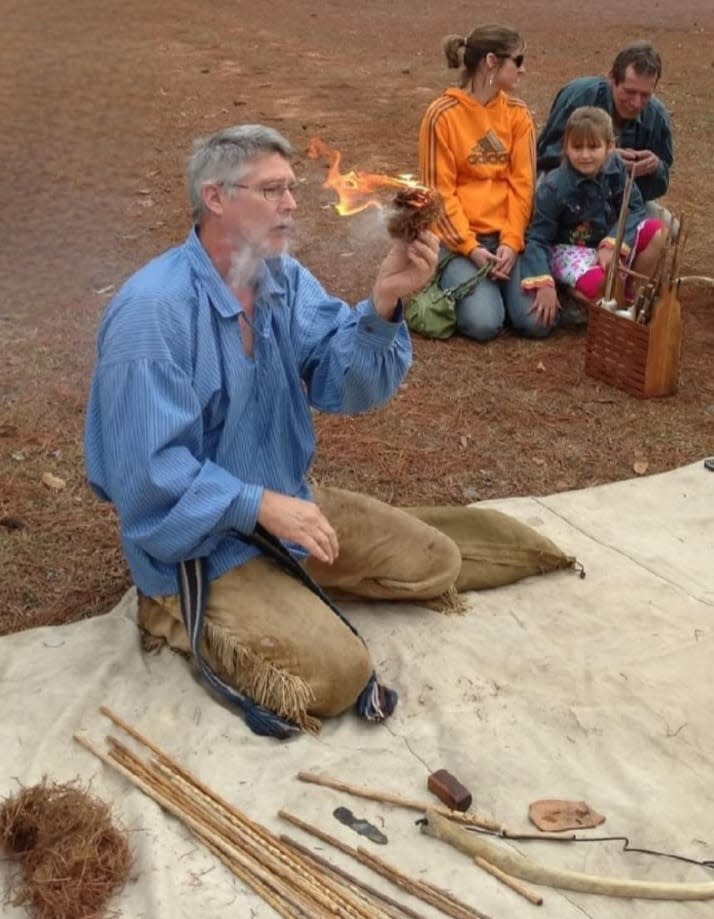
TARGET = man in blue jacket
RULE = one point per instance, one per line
(642, 125)
(199, 429)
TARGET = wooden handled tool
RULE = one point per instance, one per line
(620, 235)
(388, 798)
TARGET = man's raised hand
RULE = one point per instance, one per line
(406, 268)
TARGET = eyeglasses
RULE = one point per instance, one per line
(273, 192)
(516, 58)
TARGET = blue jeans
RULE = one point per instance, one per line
(483, 313)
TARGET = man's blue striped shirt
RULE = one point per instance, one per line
(184, 431)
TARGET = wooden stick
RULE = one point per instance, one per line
(696, 279)
(228, 811)
(232, 852)
(432, 894)
(288, 911)
(285, 876)
(306, 870)
(677, 255)
(275, 866)
(317, 833)
(305, 875)
(108, 713)
(393, 906)
(236, 822)
(388, 798)
(617, 248)
(661, 265)
(426, 892)
(506, 879)
(634, 274)
(652, 288)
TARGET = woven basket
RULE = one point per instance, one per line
(642, 360)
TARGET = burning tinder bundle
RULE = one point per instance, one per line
(413, 210)
(69, 857)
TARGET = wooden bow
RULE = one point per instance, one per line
(520, 867)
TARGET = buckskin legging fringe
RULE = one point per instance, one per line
(272, 638)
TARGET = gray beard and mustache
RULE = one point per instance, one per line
(246, 259)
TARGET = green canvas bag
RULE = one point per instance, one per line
(432, 311)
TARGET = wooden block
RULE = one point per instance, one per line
(449, 790)
(663, 357)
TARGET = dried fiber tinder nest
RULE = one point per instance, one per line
(413, 210)
(69, 857)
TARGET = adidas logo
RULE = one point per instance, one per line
(490, 149)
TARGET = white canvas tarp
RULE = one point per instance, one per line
(598, 689)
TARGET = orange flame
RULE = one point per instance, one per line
(356, 190)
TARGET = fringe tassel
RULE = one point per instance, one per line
(450, 603)
(277, 690)
(376, 702)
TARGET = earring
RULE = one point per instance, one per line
(490, 81)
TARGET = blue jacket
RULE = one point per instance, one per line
(573, 209)
(651, 130)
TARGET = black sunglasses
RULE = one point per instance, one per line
(516, 58)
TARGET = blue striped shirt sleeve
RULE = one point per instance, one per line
(351, 360)
(148, 413)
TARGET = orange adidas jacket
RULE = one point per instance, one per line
(482, 161)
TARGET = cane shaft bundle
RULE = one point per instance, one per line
(291, 883)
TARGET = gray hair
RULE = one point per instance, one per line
(223, 157)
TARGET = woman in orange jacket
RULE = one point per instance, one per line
(477, 148)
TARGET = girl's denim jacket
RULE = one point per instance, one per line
(576, 210)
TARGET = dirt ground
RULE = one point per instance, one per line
(100, 103)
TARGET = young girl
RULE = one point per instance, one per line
(571, 238)
(476, 147)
